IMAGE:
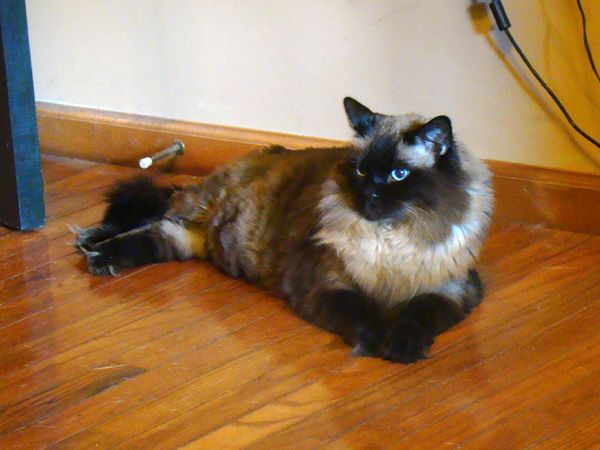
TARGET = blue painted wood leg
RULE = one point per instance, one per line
(21, 186)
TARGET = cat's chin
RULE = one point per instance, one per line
(370, 216)
(383, 220)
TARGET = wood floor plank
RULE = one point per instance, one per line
(487, 339)
(29, 290)
(95, 382)
(509, 390)
(148, 335)
(53, 170)
(579, 434)
(159, 330)
(528, 426)
(66, 324)
(294, 371)
(41, 253)
(209, 388)
(179, 355)
(264, 422)
(555, 251)
(372, 374)
(71, 425)
(105, 346)
(398, 424)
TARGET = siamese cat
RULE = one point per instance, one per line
(376, 242)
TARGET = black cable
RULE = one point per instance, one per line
(585, 40)
(549, 91)
(503, 24)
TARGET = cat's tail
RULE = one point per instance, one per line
(132, 204)
(136, 202)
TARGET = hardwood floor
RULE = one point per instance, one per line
(179, 355)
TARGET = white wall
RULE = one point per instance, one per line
(285, 65)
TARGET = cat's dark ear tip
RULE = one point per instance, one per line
(442, 119)
(355, 109)
(361, 118)
(349, 102)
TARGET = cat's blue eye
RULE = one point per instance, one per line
(399, 174)
(360, 172)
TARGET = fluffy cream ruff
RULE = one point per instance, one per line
(393, 264)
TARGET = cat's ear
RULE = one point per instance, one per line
(361, 118)
(436, 135)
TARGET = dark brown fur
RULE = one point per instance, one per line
(293, 222)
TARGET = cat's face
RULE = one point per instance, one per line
(402, 164)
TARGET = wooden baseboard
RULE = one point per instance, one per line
(524, 194)
(118, 138)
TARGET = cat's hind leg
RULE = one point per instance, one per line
(132, 203)
(159, 241)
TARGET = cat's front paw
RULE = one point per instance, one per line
(86, 238)
(368, 341)
(407, 342)
(100, 263)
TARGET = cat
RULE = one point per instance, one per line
(375, 242)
